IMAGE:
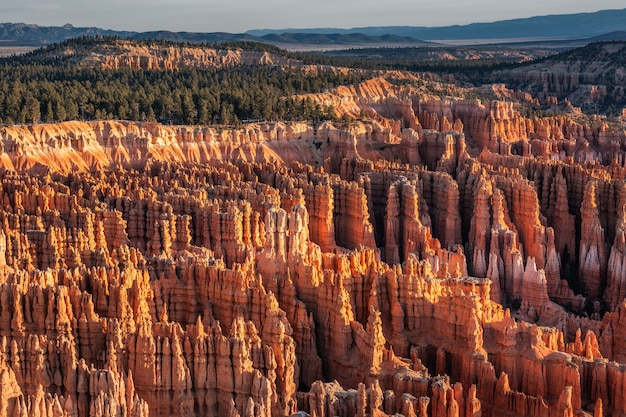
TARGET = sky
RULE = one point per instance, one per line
(238, 16)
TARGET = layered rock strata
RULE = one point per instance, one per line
(361, 270)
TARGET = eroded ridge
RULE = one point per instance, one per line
(440, 258)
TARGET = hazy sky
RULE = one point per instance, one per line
(237, 16)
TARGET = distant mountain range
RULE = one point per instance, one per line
(606, 23)
(581, 25)
(21, 34)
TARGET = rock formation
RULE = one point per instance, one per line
(443, 258)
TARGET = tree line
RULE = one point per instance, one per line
(46, 85)
(54, 90)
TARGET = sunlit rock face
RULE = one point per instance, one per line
(438, 258)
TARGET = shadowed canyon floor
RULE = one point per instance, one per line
(438, 257)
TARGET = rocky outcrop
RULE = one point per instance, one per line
(592, 256)
(588, 78)
(153, 56)
(408, 264)
(615, 289)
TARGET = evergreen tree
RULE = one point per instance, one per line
(49, 115)
(33, 110)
